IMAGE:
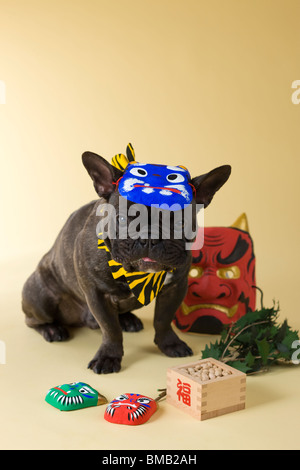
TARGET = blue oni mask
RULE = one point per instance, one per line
(151, 184)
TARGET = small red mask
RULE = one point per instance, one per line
(130, 408)
(221, 285)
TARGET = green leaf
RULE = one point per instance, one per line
(255, 340)
(244, 338)
(284, 351)
(239, 365)
(264, 333)
(212, 351)
(282, 331)
(249, 359)
(224, 334)
(248, 319)
(263, 349)
(273, 331)
(290, 338)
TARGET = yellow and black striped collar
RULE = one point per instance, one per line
(144, 286)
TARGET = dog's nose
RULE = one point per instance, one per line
(149, 242)
(143, 241)
(154, 241)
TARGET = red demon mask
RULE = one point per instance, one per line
(130, 408)
(221, 285)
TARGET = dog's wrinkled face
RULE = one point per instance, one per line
(151, 239)
(147, 239)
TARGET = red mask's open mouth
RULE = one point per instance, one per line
(229, 311)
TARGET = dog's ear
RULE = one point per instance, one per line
(207, 185)
(103, 174)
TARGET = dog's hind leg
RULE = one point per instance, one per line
(40, 305)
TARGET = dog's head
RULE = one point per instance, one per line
(146, 236)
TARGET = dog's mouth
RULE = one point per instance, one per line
(135, 256)
(149, 260)
(149, 265)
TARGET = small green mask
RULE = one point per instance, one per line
(74, 396)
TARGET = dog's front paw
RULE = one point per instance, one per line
(177, 350)
(130, 322)
(105, 364)
(172, 346)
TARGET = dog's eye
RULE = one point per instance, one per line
(122, 220)
(178, 224)
(175, 178)
(139, 172)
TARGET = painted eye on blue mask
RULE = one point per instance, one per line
(175, 178)
(139, 172)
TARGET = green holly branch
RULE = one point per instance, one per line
(254, 342)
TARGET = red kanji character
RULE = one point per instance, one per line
(184, 392)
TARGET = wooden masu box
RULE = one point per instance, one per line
(210, 398)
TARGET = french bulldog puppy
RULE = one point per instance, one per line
(73, 283)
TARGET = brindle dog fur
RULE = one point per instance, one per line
(73, 286)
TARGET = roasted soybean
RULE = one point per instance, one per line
(206, 371)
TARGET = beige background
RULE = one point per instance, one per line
(192, 82)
